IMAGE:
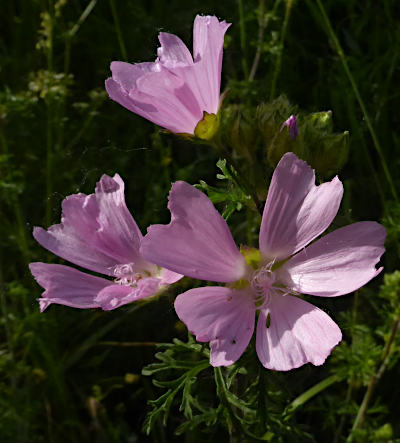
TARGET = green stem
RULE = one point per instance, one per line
(289, 4)
(243, 39)
(261, 28)
(49, 130)
(129, 344)
(346, 68)
(71, 33)
(22, 241)
(50, 66)
(359, 421)
(118, 29)
(49, 161)
(222, 392)
(12, 374)
(339, 429)
(310, 393)
(240, 179)
(93, 339)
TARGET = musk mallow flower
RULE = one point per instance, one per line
(178, 90)
(266, 283)
(97, 232)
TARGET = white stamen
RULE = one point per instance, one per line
(125, 275)
(262, 283)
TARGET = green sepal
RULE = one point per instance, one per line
(207, 127)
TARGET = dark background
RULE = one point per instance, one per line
(64, 376)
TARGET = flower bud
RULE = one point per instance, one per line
(311, 137)
(291, 123)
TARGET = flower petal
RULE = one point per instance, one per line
(67, 286)
(115, 295)
(219, 315)
(292, 332)
(208, 43)
(177, 106)
(338, 263)
(197, 242)
(97, 231)
(296, 211)
(165, 113)
(173, 51)
(126, 74)
(169, 277)
(139, 104)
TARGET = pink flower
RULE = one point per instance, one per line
(177, 89)
(290, 331)
(98, 233)
(291, 123)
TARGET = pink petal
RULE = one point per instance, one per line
(295, 333)
(97, 231)
(208, 43)
(126, 74)
(169, 277)
(219, 315)
(338, 263)
(177, 106)
(173, 51)
(296, 211)
(197, 242)
(115, 295)
(161, 97)
(67, 286)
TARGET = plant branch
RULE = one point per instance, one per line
(261, 28)
(289, 4)
(358, 422)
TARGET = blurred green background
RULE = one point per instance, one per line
(74, 376)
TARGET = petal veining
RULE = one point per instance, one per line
(97, 231)
(219, 315)
(292, 332)
(338, 263)
(67, 286)
(296, 210)
(197, 242)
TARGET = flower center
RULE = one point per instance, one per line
(262, 282)
(125, 275)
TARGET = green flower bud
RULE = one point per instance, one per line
(315, 143)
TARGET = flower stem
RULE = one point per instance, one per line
(129, 344)
(118, 29)
(310, 393)
(71, 33)
(243, 39)
(49, 130)
(346, 68)
(289, 4)
(261, 28)
(358, 422)
(222, 392)
(240, 178)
